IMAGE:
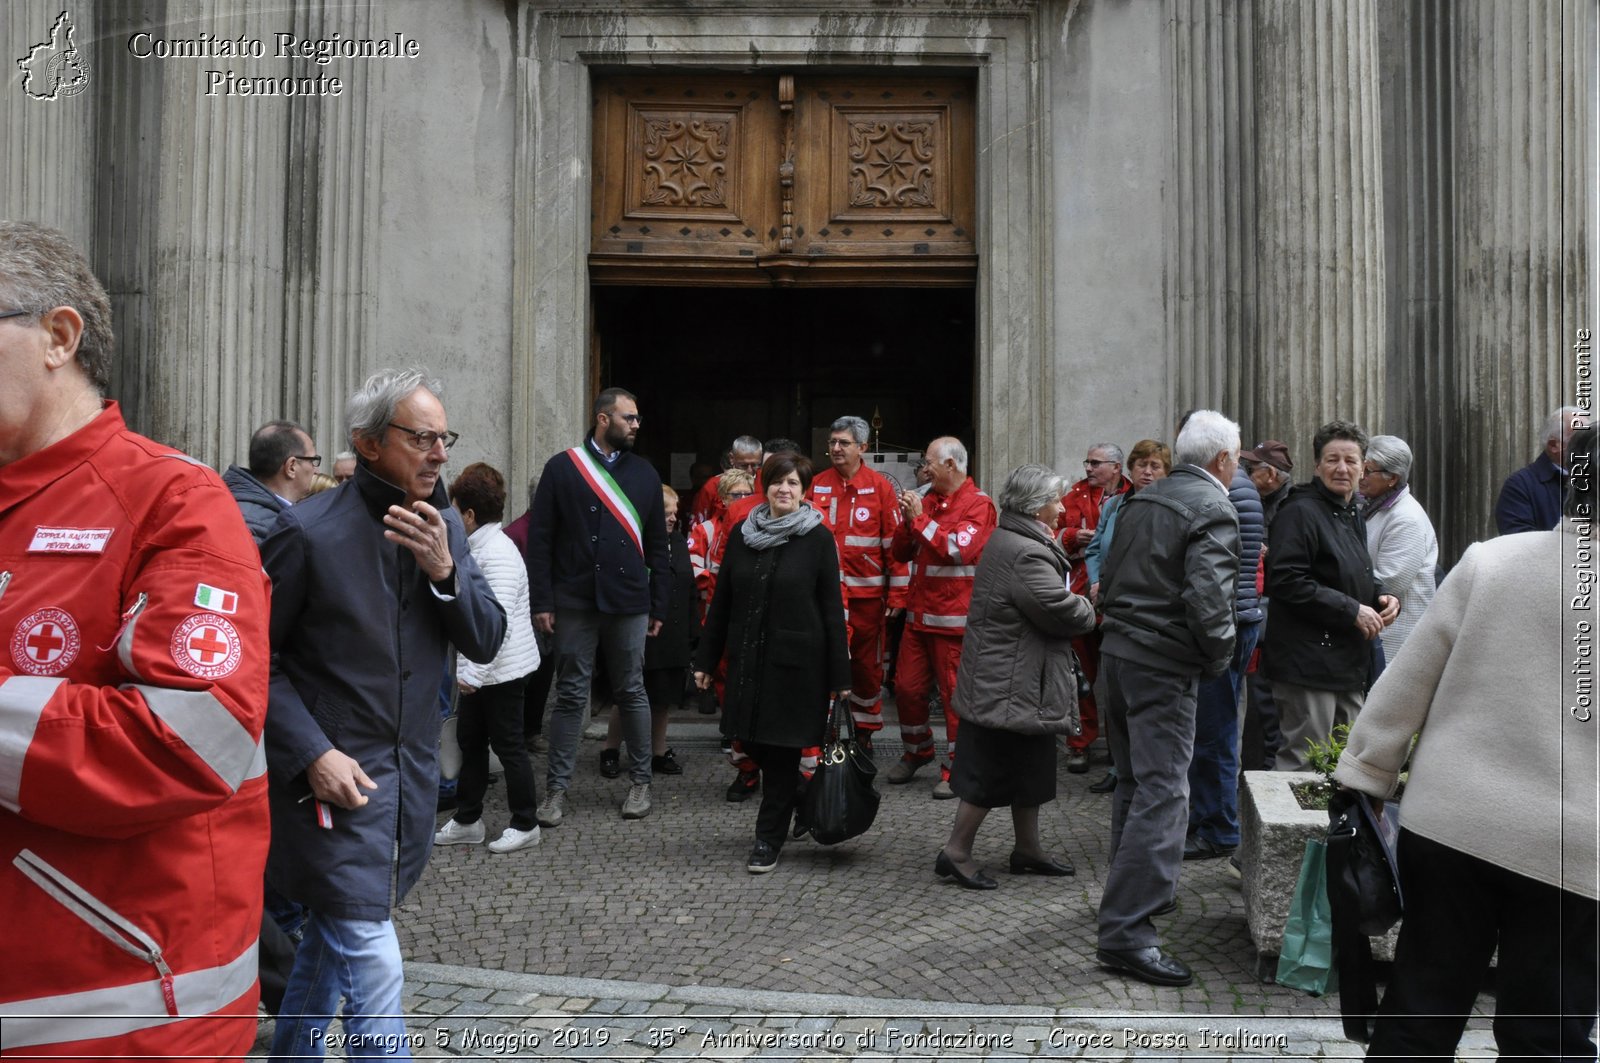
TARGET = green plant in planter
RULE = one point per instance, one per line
(1323, 758)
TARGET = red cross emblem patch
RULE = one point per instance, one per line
(45, 642)
(207, 646)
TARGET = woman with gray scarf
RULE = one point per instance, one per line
(778, 616)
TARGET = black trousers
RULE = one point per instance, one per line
(493, 717)
(536, 694)
(1458, 910)
(780, 773)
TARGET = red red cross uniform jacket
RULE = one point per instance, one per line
(943, 545)
(863, 514)
(133, 811)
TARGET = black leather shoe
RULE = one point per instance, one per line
(1197, 848)
(666, 764)
(1166, 909)
(763, 858)
(944, 867)
(1148, 964)
(1021, 865)
(743, 788)
(1106, 785)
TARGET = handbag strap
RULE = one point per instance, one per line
(839, 709)
(1352, 950)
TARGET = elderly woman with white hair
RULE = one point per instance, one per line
(1016, 685)
(1400, 536)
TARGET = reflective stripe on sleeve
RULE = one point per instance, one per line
(22, 702)
(899, 581)
(871, 542)
(936, 620)
(930, 532)
(951, 570)
(123, 1009)
(206, 727)
(863, 581)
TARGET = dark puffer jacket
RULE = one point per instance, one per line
(1016, 658)
(1252, 533)
(1170, 582)
(258, 504)
(1319, 574)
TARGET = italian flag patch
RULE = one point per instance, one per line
(215, 599)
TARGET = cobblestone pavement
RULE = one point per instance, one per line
(617, 938)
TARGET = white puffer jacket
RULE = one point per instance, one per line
(503, 567)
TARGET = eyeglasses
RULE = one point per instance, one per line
(312, 460)
(424, 440)
(15, 313)
(1090, 463)
(1370, 471)
(841, 443)
(631, 418)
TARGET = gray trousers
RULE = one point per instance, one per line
(1149, 724)
(1307, 714)
(580, 633)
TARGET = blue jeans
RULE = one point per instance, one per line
(359, 961)
(579, 634)
(1214, 772)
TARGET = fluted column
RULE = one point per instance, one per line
(331, 226)
(47, 173)
(1211, 202)
(1318, 184)
(1522, 123)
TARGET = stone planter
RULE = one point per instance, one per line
(1273, 830)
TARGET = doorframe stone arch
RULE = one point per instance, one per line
(559, 45)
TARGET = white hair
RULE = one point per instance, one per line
(1110, 450)
(949, 448)
(371, 408)
(1030, 488)
(1391, 455)
(854, 425)
(1561, 418)
(1204, 434)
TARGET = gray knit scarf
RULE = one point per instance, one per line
(762, 529)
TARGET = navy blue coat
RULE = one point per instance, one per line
(360, 645)
(1531, 498)
(1252, 533)
(581, 557)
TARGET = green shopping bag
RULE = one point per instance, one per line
(1306, 959)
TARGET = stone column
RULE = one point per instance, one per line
(1318, 225)
(48, 113)
(1211, 203)
(190, 233)
(1522, 128)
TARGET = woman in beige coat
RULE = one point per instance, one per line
(1016, 686)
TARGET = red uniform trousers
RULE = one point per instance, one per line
(1087, 647)
(927, 659)
(864, 627)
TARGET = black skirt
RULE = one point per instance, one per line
(995, 768)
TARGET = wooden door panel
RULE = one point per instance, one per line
(783, 179)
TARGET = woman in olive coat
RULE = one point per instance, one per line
(1017, 687)
(778, 614)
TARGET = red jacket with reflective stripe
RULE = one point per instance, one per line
(863, 514)
(1081, 507)
(133, 687)
(943, 545)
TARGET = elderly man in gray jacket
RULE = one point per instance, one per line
(1168, 591)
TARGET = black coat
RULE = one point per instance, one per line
(1319, 574)
(670, 648)
(779, 615)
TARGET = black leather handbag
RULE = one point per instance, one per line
(1364, 899)
(841, 801)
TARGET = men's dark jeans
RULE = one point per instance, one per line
(1214, 772)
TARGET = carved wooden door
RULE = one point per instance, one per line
(783, 179)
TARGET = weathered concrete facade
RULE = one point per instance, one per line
(1288, 209)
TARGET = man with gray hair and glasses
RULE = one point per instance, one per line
(372, 584)
(1168, 594)
(1531, 497)
(133, 690)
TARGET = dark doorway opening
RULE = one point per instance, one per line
(709, 364)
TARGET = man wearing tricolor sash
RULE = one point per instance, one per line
(597, 568)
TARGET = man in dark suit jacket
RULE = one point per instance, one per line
(598, 578)
(1531, 497)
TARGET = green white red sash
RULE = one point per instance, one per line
(600, 481)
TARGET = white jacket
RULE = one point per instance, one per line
(1404, 554)
(507, 574)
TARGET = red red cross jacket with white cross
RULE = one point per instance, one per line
(943, 545)
(133, 812)
(863, 514)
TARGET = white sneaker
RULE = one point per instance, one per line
(637, 804)
(512, 839)
(454, 833)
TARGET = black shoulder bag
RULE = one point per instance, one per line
(841, 800)
(1364, 899)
